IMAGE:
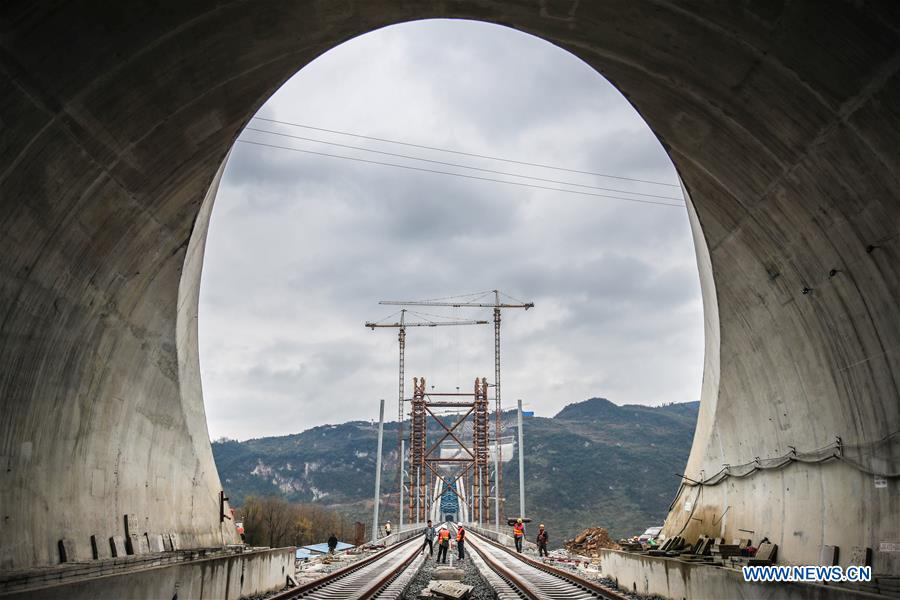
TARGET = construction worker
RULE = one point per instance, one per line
(542, 539)
(429, 539)
(518, 534)
(461, 542)
(387, 529)
(443, 543)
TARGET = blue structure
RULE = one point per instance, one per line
(449, 502)
(306, 552)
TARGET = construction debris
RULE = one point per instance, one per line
(590, 540)
(446, 589)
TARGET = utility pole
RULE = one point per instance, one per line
(400, 499)
(498, 410)
(378, 470)
(401, 338)
(496, 485)
(521, 465)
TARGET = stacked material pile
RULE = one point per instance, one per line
(590, 540)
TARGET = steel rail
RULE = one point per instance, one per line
(541, 581)
(367, 577)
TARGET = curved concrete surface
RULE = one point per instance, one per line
(781, 118)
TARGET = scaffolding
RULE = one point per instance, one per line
(417, 439)
(480, 442)
(476, 301)
(464, 471)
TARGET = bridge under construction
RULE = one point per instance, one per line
(117, 120)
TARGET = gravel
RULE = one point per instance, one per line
(420, 580)
(471, 577)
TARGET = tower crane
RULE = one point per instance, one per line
(497, 305)
(401, 325)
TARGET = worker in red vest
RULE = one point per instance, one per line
(518, 534)
(461, 542)
(443, 544)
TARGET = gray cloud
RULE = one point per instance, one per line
(302, 247)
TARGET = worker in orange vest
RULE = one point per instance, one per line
(461, 542)
(443, 544)
(518, 534)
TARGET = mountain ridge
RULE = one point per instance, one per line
(593, 463)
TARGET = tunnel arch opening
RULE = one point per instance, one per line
(603, 327)
(786, 146)
(605, 228)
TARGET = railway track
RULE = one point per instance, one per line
(513, 575)
(370, 577)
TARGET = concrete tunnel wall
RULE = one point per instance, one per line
(780, 116)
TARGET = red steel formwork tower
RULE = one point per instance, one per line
(480, 444)
(417, 440)
(469, 467)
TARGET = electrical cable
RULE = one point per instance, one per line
(693, 508)
(475, 177)
(459, 166)
(472, 154)
(835, 451)
(425, 315)
(455, 297)
(513, 299)
(389, 316)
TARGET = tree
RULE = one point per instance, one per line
(274, 522)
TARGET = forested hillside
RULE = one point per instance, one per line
(594, 463)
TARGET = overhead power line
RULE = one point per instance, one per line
(472, 154)
(463, 175)
(457, 165)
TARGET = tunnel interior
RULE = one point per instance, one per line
(780, 117)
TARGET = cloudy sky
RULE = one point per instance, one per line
(303, 246)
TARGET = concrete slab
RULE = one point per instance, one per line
(99, 548)
(828, 556)
(767, 552)
(117, 546)
(860, 556)
(67, 551)
(155, 541)
(443, 573)
(451, 591)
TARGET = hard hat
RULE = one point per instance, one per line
(542, 524)
(518, 520)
